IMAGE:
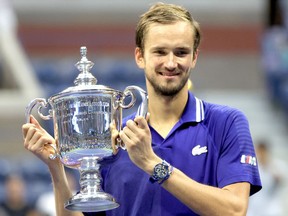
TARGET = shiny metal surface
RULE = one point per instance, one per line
(82, 115)
(82, 125)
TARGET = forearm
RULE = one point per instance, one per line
(40, 143)
(62, 192)
(207, 200)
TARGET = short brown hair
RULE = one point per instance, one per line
(165, 14)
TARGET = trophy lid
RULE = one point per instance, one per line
(85, 81)
(84, 66)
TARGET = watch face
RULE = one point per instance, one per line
(161, 170)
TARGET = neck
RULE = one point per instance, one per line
(165, 112)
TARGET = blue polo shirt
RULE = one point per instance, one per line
(211, 144)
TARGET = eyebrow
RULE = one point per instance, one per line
(180, 47)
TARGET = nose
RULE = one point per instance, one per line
(170, 62)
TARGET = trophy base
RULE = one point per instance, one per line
(100, 201)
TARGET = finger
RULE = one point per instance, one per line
(141, 122)
(25, 129)
(123, 136)
(33, 136)
(147, 116)
(115, 145)
(34, 121)
(131, 124)
(130, 129)
(112, 126)
(29, 132)
(36, 144)
(38, 141)
(114, 137)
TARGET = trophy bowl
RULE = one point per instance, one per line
(82, 115)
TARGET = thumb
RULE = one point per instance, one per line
(34, 121)
(147, 116)
(141, 122)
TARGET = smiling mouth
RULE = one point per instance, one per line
(169, 74)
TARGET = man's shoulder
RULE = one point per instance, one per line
(220, 110)
(220, 115)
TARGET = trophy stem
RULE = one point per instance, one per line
(90, 178)
(91, 197)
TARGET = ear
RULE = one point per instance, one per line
(195, 57)
(139, 58)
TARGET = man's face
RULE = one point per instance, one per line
(168, 57)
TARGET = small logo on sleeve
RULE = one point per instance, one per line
(248, 159)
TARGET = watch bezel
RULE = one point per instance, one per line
(161, 172)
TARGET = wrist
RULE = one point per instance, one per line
(149, 166)
(57, 170)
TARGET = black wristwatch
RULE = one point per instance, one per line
(162, 172)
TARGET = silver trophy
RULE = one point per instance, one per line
(82, 115)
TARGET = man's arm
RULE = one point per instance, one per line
(206, 200)
(202, 199)
(62, 191)
(38, 141)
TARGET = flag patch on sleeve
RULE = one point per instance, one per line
(248, 159)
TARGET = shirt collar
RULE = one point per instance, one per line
(194, 110)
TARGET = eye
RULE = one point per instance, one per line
(159, 52)
(182, 52)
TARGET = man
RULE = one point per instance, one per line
(213, 166)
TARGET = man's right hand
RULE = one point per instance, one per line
(38, 141)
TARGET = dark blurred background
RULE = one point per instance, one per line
(243, 63)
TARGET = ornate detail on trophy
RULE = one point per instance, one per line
(82, 115)
(84, 66)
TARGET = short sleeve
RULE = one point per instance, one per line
(237, 162)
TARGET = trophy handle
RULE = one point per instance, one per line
(142, 109)
(40, 103)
